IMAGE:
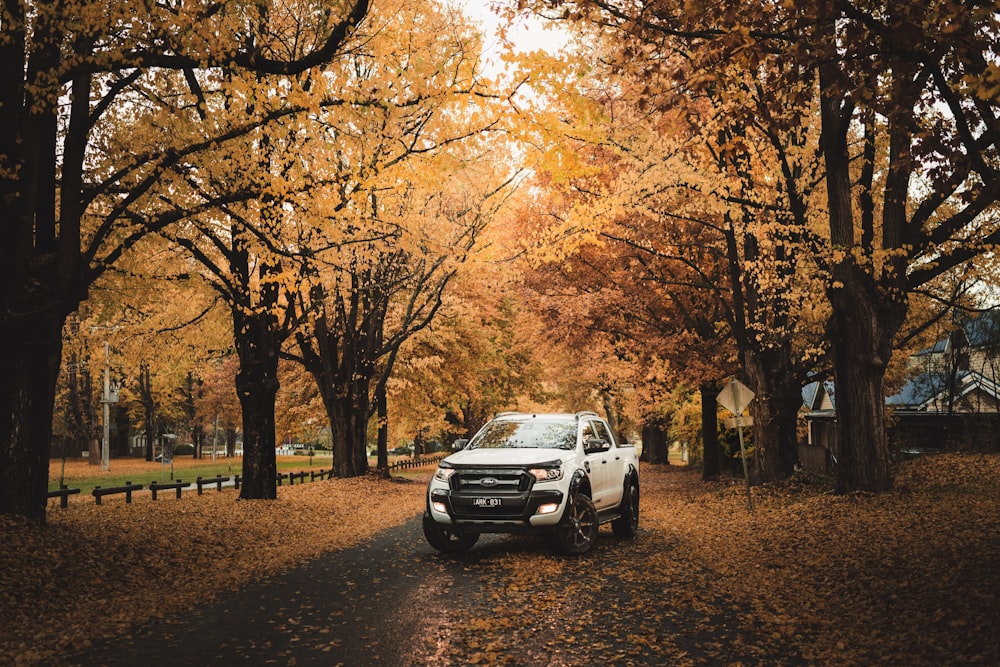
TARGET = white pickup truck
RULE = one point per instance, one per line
(559, 474)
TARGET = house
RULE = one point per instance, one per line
(818, 409)
(951, 400)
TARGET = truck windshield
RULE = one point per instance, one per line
(529, 433)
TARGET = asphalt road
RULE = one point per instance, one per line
(389, 601)
(394, 602)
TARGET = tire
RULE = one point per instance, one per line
(445, 540)
(627, 525)
(577, 532)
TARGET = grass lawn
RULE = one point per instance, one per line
(80, 474)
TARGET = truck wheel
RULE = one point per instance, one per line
(447, 541)
(577, 532)
(627, 525)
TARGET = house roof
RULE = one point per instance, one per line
(925, 392)
(929, 390)
(979, 332)
(919, 390)
(813, 393)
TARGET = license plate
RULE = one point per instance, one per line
(486, 502)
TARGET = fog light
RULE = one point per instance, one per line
(439, 507)
(547, 508)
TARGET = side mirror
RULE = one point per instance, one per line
(596, 445)
(459, 444)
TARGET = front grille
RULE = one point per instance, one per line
(490, 481)
(490, 493)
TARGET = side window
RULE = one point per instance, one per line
(594, 430)
(602, 432)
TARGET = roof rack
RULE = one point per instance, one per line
(578, 415)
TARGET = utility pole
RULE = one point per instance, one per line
(109, 395)
(215, 434)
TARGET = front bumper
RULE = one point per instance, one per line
(483, 512)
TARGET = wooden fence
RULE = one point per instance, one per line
(129, 488)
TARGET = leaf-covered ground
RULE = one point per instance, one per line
(905, 578)
(179, 553)
(808, 578)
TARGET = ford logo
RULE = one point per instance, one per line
(489, 481)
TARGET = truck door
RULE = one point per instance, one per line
(597, 447)
(614, 467)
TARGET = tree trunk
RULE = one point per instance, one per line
(861, 330)
(31, 351)
(608, 399)
(711, 456)
(382, 465)
(349, 426)
(341, 359)
(344, 388)
(120, 431)
(148, 408)
(257, 387)
(192, 391)
(867, 310)
(654, 444)
(775, 411)
(473, 418)
(81, 416)
(231, 434)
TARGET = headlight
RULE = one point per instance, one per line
(444, 474)
(546, 474)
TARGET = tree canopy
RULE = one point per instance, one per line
(683, 193)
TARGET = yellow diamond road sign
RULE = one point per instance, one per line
(735, 397)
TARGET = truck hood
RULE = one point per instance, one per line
(507, 457)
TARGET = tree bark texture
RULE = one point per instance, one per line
(349, 427)
(337, 361)
(31, 350)
(775, 411)
(382, 409)
(861, 329)
(654, 444)
(40, 268)
(711, 455)
(868, 304)
(257, 386)
(148, 410)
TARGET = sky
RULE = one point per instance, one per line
(529, 34)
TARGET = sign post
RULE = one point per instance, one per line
(735, 397)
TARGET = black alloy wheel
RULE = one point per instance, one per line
(577, 532)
